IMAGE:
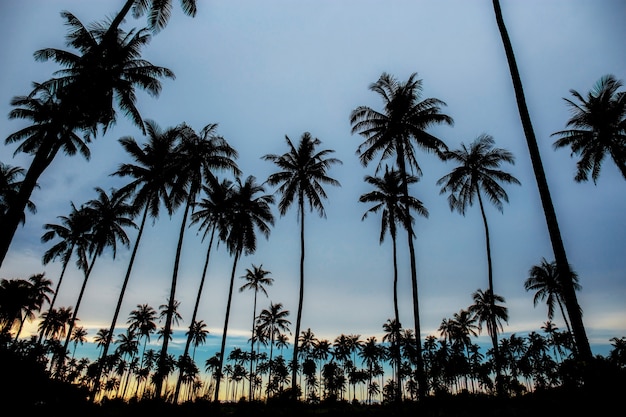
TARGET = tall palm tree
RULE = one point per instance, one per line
(544, 279)
(249, 211)
(390, 199)
(395, 132)
(485, 310)
(569, 292)
(110, 215)
(301, 179)
(152, 176)
(598, 128)
(256, 280)
(9, 189)
(80, 98)
(272, 322)
(477, 172)
(198, 157)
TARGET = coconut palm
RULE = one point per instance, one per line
(199, 156)
(301, 180)
(396, 131)
(256, 280)
(158, 11)
(37, 295)
(598, 128)
(110, 215)
(142, 321)
(477, 172)
(10, 184)
(569, 293)
(249, 211)
(389, 198)
(272, 322)
(152, 176)
(545, 281)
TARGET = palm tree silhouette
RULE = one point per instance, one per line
(256, 280)
(158, 11)
(80, 99)
(247, 213)
(478, 171)
(271, 322)
(394, 132)
(301, 179)
(544, 279)
(152, 176)
(37, 289)
(10, 187)
(598, 126)
(569, 293)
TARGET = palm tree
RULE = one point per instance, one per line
(152, 176)
(545, 280)
(10, 187)
(256, 280)
(248, 212)
(598, 128)
(142, 322)
(158, 12)
(271, 323)
(389, 198)
(302, 175)
(569, 292)
(80, 98)
(485, 310)
(395, 131)
(14, 298)
(109, 215)
(38, 288)
(478, 171)
(198, 157)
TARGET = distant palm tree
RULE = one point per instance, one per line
(256, 280)
(478, 171)
(302, 175)
(9, 189)
(389, 197)
(79, 335)
(394, 132)
(571, 302)
(272, 322)
(545, 281)
(142, 321)
(247, 213)
(598, 128)
(152, 176)
(38, 288)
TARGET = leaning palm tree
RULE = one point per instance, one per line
(10, 183)
(110, 215)
(485, 310)
(256, 280)
(395, 132)
(80, 98)
(544, 279)
(569, 292)
(198, 157)
(598, 128)
(301, 179)
(152, 176)
(249, 211)
(477, 172)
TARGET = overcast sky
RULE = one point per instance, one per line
(266, 69)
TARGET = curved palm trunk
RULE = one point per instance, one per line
(571, 302)
(492, 301)
(170, 309)
(13, 216)
(193, 317)
(224, 333)
(294, 370)
(421, 374)
(56, 292)
(107, 343)
(73, 321)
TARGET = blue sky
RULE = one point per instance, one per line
(263, 70)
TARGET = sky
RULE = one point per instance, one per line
(266, 70)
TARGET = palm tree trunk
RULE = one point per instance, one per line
(224, 333)
(56, 292)
(492, 301)
(193, 317)
(118, 307)
(294, 370)
(571, 302)
(395, 307)
(252, 348)
(171, 302)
